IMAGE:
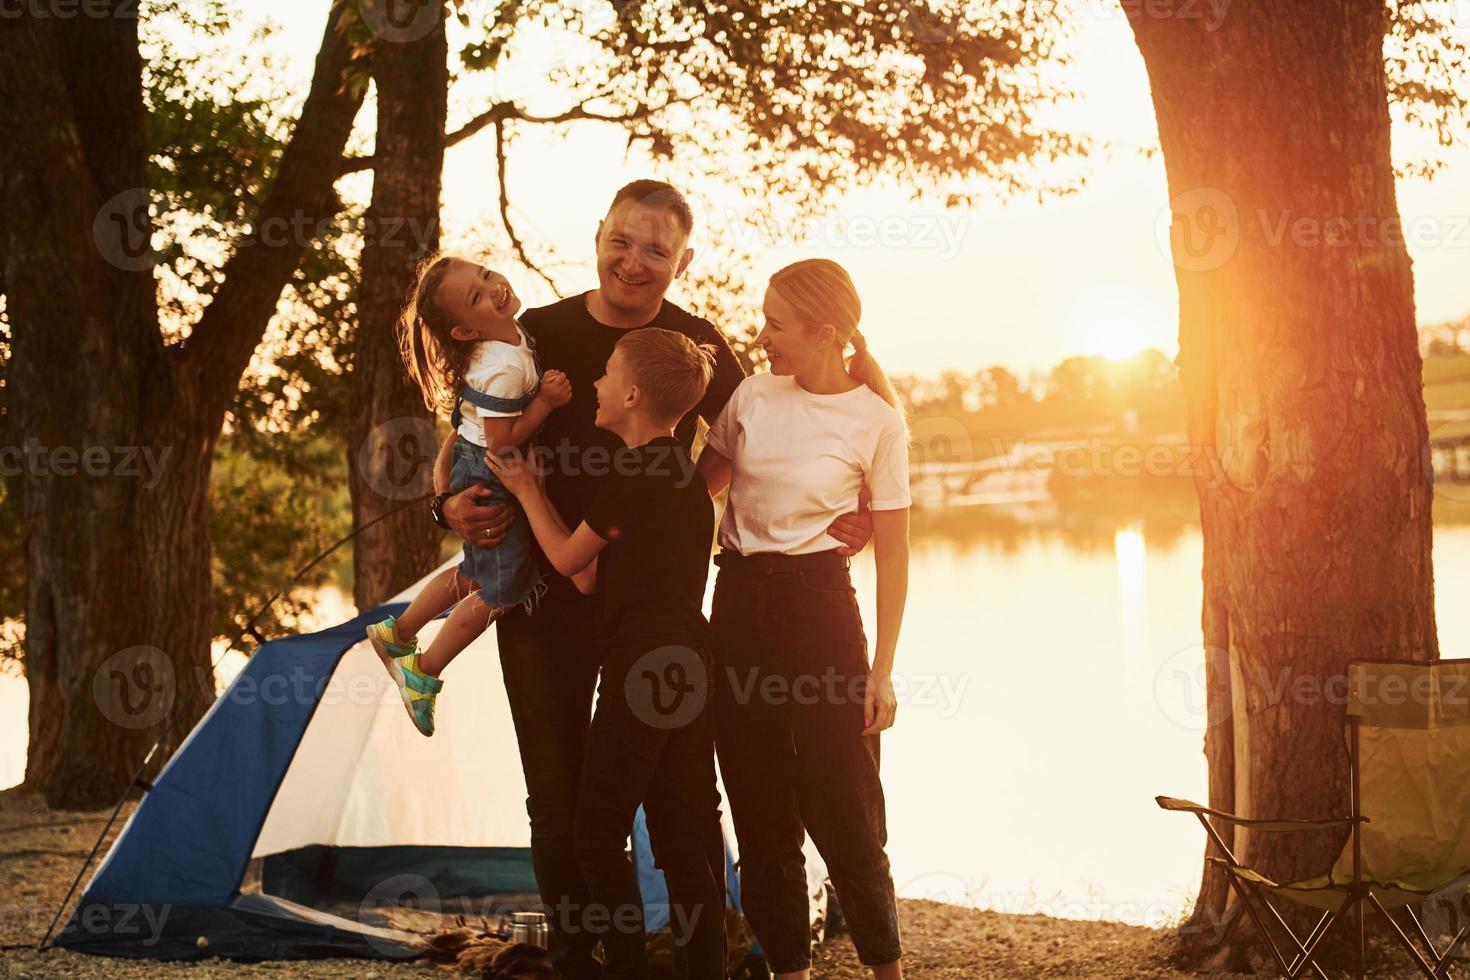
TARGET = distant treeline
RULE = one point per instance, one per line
(1140, 394)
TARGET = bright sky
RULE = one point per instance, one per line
(1015, 283)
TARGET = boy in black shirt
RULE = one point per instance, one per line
(648, 531)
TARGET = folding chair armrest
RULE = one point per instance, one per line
(1280, 826)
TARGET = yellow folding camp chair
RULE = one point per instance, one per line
(1408, 737)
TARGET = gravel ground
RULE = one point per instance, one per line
(41, 850)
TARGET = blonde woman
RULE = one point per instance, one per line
(798, 706)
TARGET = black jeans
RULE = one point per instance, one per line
(791, 667)
(651, 744)
(550, 662)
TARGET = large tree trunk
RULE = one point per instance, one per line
(1301, 368)
(392, 444)
(119, 429)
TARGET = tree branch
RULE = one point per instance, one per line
(510, 230)
(502, 112)
(299, 201)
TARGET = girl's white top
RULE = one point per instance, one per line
(499, 369)
(800, 460)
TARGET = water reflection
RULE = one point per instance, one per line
(1053, 685)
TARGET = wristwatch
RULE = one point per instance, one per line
(436, 508)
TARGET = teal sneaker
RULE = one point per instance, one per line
(387, 645)
(418, 690)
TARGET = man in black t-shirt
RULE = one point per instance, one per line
(648, 530)
(550, 660)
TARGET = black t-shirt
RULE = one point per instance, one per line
(654, 512)
(568, 339)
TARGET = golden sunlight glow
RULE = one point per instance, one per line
(1118, 322)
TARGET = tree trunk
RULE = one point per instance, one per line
(117, 430)
(1301, 368)
(392, 444)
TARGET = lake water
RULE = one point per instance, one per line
(1049, 694)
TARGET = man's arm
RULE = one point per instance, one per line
(470, 515)
(855, 528)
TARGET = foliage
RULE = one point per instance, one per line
(1427, 61)
(267, 520)
(12, 563)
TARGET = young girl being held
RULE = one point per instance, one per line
(465, 350)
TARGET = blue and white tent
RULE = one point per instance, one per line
(273, 832)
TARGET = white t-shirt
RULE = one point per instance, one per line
(800, 460)
(499, 369)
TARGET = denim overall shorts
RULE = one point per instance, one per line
(507, 574)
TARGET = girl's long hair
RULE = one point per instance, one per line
(822, 292)
(436, 362)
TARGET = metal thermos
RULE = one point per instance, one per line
(530, 928)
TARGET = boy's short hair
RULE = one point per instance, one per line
(670, 370)
(657, 194)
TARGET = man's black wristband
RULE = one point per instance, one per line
(436, 509)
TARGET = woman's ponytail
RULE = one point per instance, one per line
(864, 367)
